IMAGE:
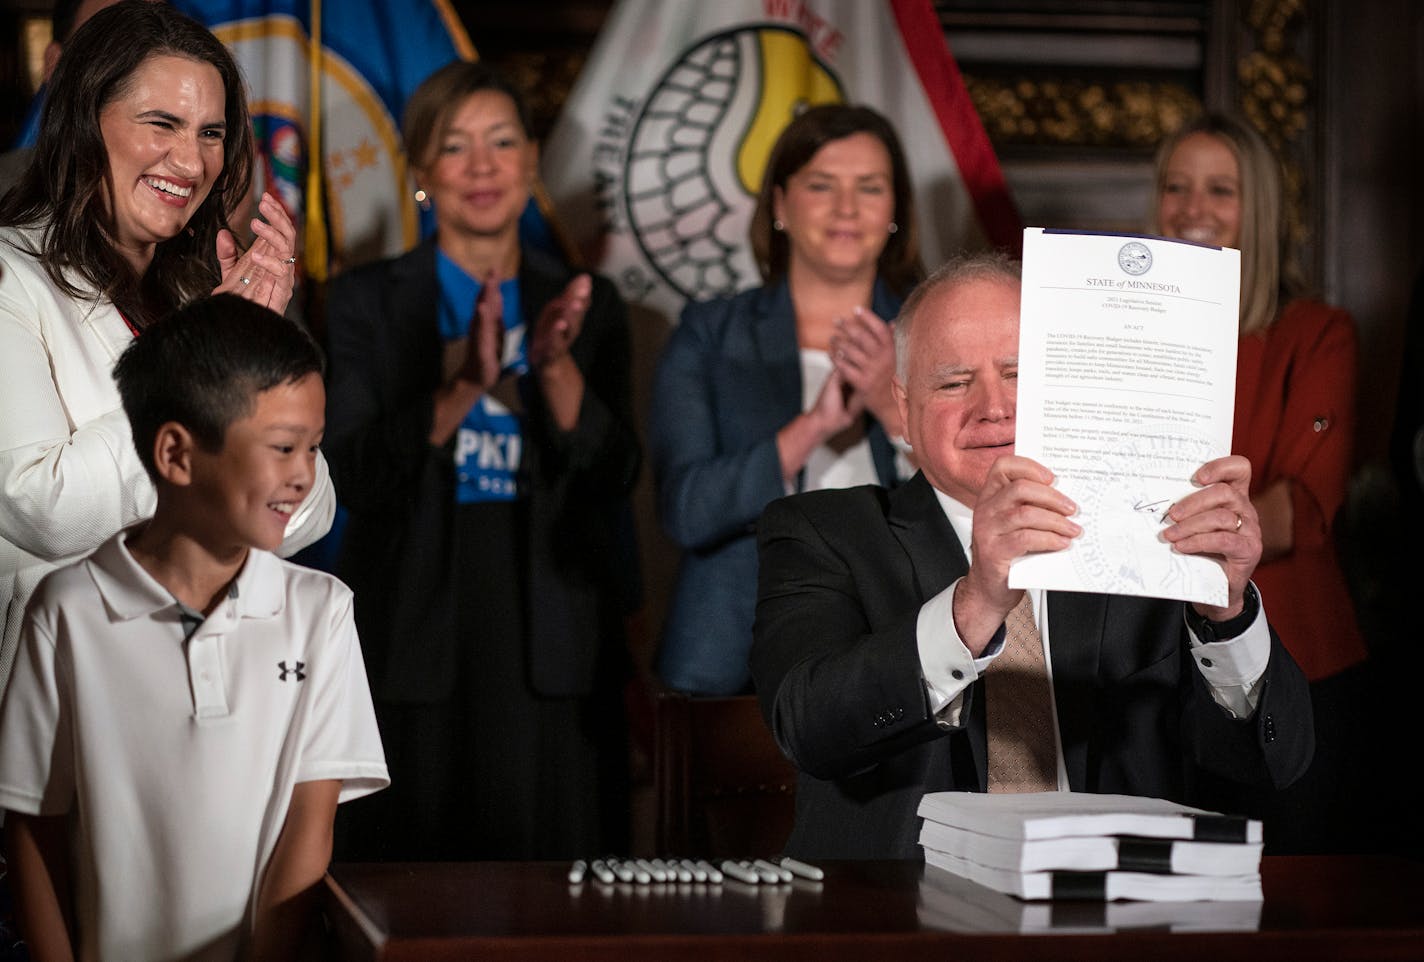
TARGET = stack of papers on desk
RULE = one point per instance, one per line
(1070, 845)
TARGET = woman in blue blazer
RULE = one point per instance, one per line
(786, 387)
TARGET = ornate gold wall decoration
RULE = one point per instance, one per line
(1080, 112)
(1275, 96)
(1275, 82)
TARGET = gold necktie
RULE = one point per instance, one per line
(1022, 755)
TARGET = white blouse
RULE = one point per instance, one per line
(826, 467)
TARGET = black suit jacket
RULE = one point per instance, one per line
(384, 356)
(836, 665)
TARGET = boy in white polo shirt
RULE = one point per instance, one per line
(187, 710)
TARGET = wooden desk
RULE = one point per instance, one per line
(1315, 909)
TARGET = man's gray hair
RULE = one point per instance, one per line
(962, 269)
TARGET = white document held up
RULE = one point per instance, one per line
(1126, 385)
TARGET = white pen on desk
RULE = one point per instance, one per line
(654, 873)
(635, 868)
(782, 874)
(768, 875)
(802, 869)
(683, 870)
(623, 870)
(739, 872)
(576, 871)
(713, 873)
(699, 874)
(602, 872)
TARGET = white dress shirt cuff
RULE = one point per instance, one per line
(1233, 668)
(946, 663)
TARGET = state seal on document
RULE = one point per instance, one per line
(1135, 258)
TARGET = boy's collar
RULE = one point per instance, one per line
(131, 592)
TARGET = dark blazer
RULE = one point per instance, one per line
(837, 670)
(728, 380)
(384, 355)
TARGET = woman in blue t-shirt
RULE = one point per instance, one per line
(480, 434)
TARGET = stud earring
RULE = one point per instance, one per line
(422, 198)
(894, 227)
(777, 225)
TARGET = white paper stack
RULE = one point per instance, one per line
(1071, 845)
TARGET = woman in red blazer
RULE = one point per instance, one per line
(1218, 183)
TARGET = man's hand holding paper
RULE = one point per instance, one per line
(1019, 512)
(1219, 522)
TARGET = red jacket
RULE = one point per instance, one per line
(1295, 418)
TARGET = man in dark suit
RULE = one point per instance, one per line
(879, 612)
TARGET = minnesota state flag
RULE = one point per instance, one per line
(334, 76)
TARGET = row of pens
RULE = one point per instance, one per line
(645, 871)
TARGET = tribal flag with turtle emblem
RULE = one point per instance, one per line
(658, 156)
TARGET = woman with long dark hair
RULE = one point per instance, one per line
(144, 152)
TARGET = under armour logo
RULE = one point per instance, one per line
(299, 671)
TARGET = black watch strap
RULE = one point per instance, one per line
(1208, 631)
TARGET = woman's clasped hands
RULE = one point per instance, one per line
(266, 272)
(863, 357)
(559, 323)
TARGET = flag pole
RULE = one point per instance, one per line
(316, 246)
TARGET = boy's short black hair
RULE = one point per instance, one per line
(204, 365)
